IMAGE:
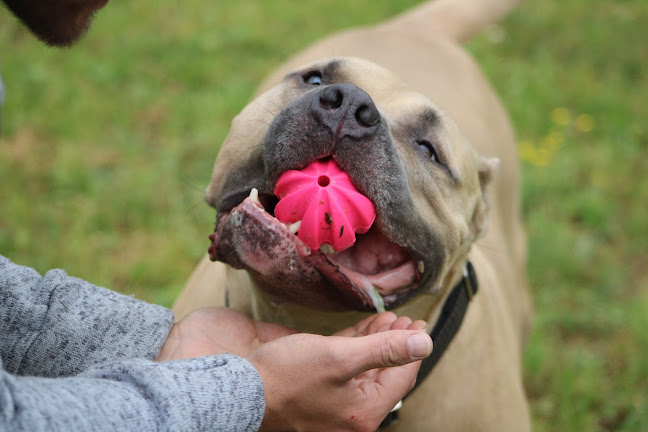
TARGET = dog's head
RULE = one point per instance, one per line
(398, 148)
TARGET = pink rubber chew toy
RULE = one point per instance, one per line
(330, 208)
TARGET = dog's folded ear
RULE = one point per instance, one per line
(487, 169)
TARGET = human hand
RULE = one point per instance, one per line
(320, 383)
(212, 331)
(311, 382)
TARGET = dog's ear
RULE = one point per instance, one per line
(487, 169)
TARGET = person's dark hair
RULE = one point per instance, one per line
(55, 22)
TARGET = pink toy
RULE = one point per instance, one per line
(330, 208)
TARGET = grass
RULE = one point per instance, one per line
(106, 149)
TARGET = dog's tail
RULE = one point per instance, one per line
(457, 19)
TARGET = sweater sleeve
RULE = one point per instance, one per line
(77, 357)
(57, 325)
(220, 393)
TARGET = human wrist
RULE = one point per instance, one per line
(170, 345)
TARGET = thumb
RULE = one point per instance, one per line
(385, 349)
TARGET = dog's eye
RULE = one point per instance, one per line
(313, 78)
(428, 150)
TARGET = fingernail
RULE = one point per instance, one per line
(422, 325)
(419, 345)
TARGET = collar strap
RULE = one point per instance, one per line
(445, 329)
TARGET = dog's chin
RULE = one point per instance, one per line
(373, 275)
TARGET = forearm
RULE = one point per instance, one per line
(58, 325)
(208, 393)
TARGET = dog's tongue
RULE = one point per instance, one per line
(327, 207)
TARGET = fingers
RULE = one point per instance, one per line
(385, 349)
(418, 325)
(401, 323)
(382, 322)
(369, 325)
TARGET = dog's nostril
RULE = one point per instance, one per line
(331, 98)
(367, 115)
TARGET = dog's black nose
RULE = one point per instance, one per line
(346, 109)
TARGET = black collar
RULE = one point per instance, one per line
(444, 330)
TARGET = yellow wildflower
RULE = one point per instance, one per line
(553, 141)
(560, 116)
(584, 123)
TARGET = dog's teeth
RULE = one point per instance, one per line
(326, 249)
(293, 228)
(254, 196)
(421, 266)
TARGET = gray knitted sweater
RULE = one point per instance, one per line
(76, 357)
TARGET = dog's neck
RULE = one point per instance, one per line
(426, 306)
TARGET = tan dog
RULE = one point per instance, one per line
(407, 114)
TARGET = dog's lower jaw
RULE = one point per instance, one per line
(425, 307)
(301, 318)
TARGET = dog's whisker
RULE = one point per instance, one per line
(272, 113)
(192, 186)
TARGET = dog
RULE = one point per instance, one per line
(407, 114)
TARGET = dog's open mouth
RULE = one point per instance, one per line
(373, 274)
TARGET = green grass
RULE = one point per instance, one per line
(107, 147)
